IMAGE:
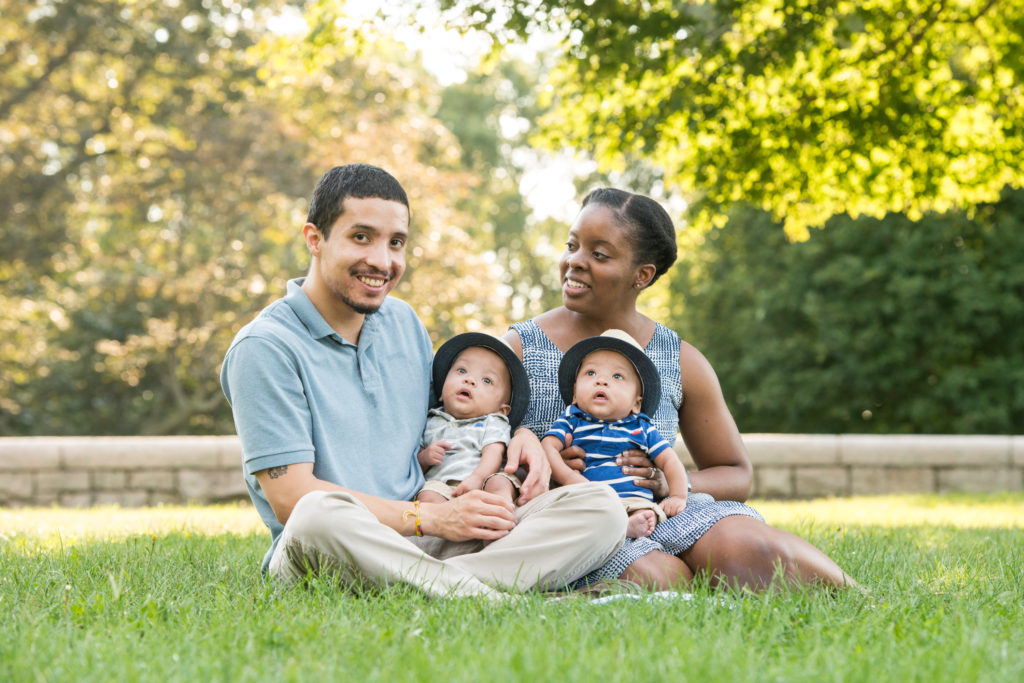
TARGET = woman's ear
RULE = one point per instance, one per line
(644, 275)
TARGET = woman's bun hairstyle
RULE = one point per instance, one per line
(650, 231)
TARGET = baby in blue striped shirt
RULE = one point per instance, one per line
(610, 384)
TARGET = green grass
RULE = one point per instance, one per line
(174, 594)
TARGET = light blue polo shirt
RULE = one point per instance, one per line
(301, 393)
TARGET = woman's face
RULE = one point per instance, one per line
(596, 267)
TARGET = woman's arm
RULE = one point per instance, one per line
(710, 433)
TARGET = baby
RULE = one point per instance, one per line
(611, 385)
(483, 392)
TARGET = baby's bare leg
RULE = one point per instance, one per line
(501, 486)
(641, 523)
(426, 496)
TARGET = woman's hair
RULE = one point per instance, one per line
(649, 229)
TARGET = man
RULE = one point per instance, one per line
(330, 386)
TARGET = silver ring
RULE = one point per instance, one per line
(651, 475)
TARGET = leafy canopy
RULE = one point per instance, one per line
(805, 108)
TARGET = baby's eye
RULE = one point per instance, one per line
(590, 373)
(488, 380)
(461, 371)
(618, 375)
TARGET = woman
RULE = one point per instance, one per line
(619, 245)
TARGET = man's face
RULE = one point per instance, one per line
(364, 257)
(607, 386)
(477, 384)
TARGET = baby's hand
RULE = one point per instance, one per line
(470, 483)
(673, 505)
(432, 454)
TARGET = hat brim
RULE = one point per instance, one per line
(451, 349)
(650, 380)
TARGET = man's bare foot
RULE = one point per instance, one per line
(641, 523)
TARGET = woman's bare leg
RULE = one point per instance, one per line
(658, 571)
(743, 551)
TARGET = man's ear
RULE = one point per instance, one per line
(313, 238)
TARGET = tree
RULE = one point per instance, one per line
(490, 114)
(887, 326)
(806, 109)
(155, 165)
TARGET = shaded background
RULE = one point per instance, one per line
(844, 179)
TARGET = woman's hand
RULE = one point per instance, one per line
(635, 463)
(573, 455)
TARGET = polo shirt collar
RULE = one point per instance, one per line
(575, 411)
(306, 311)
(318, 328)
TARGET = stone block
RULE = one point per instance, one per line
(29, 453)
(128, 499)
(44, 498)
(870, 481)
(1017, 446)
(773, 482)
(164, 498)
(977, 480)
(818, 482)
(153, 480)
(208, 486)
(109, 480)
(229, 451)
(18, 486)
(75, 500)
(792, 449)
(139, 452)
(62, 482)
(912, 450)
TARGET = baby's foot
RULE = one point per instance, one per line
(641, 523)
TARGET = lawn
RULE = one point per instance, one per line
(173, 593)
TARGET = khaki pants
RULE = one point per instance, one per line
(559, 537)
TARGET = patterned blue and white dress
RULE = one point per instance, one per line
(673, 536)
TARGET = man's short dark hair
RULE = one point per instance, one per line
(360, 181)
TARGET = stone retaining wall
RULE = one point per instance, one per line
(136, 471)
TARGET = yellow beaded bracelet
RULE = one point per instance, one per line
(415, 511)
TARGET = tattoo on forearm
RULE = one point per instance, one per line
(277, 472)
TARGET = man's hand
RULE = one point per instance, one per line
(473, 515)
(432, 454)
(525, 450)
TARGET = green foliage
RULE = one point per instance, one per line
(169, 606)
(888, 326)
(807, 109)
(490, 114)
(155, 163)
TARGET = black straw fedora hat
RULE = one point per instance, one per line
(613, 340)
(451, 349)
